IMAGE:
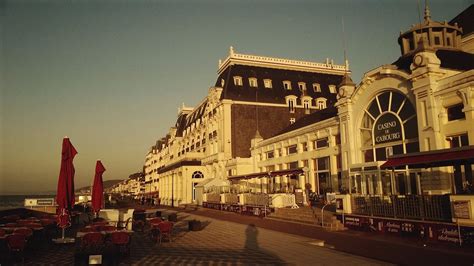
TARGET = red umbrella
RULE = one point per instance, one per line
(98, 187)
(65, 194)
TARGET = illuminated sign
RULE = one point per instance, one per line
(387, 128)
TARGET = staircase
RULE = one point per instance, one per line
(308, 215)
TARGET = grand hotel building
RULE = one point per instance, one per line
(252, 95)
(283, 125)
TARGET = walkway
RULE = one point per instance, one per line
(222, 242)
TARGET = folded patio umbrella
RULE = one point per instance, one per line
(65, 194)
(98, 187)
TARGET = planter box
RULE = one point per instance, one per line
(173, 217)
(194, 225)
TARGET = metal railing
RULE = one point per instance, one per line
(417, 207)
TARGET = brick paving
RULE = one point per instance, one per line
(222, 242)
(218, 243)
(392, 249)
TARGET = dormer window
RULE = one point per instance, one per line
(316, 87)
(287, 85)
(237, 81)
(321, 103)
(267, 83)
(292, 120)
(302, 86)
(332, 89)
(291, 105)
(253, 82)
(306, 104)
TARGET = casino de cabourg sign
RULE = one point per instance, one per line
(387, 128)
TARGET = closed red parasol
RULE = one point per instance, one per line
(65, 194)
(98, 187)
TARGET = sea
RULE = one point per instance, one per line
(18, 201)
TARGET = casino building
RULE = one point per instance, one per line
(398, 146)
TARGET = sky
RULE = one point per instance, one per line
(111, 75)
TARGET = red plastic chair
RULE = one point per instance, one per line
(47, 221)
(156, 220)
(11, 218)
(16, 244)
(22, 222)
(108, 228)
(101, 223)
(87, 229)
(27, 232)
(92, 239)
(166, 230)
(121, 240)
(11, 225)
(33, 225)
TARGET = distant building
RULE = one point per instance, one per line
(134, 186)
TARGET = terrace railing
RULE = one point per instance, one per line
(416, 207)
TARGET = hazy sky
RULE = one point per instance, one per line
(111, 74)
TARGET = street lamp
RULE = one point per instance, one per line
(172, 190)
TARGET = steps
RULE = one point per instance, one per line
(308, 215)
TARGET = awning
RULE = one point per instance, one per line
(295, 171)
(214, 182)
(438, 158)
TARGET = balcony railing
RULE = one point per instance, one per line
(416, 207)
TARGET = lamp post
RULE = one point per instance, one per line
(172, 190)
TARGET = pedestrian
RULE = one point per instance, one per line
(422, 235)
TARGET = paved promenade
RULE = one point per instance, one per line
(223, 242)
(230, 238)
(386, 248)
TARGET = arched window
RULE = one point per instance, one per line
(389, 126)
(197, 174)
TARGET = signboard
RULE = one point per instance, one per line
(299, 196)
(331, 197)
(40, 202)
(339, 205)
(448, 234)
(393, 227)
(387, 128)
(352, 221)
(461, 209)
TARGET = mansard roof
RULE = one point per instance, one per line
(450, 58)
(185, 120)
(310, 119)
(464, 20)
(277, 93)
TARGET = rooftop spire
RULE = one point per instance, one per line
(427, 12)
